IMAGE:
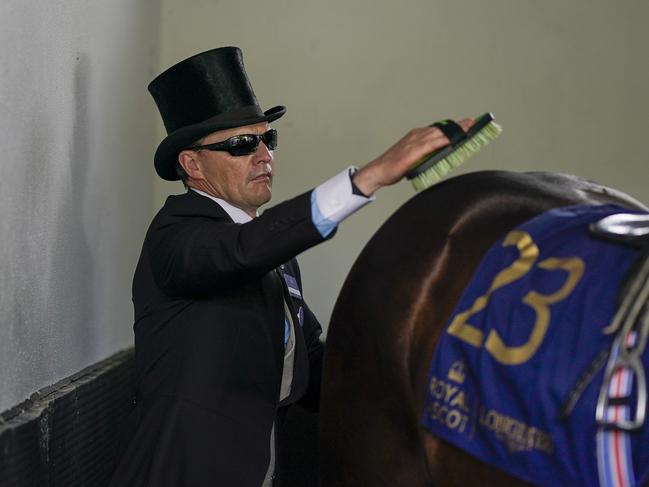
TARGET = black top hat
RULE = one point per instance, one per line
(202, 94)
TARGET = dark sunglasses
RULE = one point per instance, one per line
(242, 145)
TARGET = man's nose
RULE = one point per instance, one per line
(263, 154)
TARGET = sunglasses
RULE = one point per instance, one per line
(242, 145)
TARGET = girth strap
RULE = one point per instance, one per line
(631, 325)
(614, 412)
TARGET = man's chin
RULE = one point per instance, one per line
(264, 198)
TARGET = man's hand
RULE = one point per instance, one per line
(391, 166)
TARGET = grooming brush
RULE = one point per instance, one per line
(433, 167)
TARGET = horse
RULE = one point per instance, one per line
(391, 312)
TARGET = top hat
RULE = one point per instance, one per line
(202, 94)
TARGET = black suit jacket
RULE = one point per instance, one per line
(209, 339)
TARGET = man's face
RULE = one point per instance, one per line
(243, 181)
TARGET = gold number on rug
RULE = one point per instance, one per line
(528, 254)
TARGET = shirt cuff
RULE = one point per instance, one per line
(333, 201)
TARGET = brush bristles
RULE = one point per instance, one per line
(429, 177)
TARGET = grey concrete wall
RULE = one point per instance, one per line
(76, 127)
(566, 79)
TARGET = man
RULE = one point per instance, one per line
(223, 337)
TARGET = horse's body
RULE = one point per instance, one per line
(391, 312)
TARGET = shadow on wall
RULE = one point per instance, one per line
(47, 278)
(71, 296)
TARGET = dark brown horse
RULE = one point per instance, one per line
(391, 312)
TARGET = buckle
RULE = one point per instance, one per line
(607, 398)
(631, 325)
(631, 228)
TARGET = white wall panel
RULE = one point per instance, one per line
(76, 127)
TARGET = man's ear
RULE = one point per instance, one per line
(187, 160)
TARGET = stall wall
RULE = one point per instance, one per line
(76, 128)
(567, 80)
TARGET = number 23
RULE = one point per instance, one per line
(528, 254)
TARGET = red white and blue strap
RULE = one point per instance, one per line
(614, 459)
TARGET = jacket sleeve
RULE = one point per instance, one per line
(197, 255)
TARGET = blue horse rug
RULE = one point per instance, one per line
(526, 328)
